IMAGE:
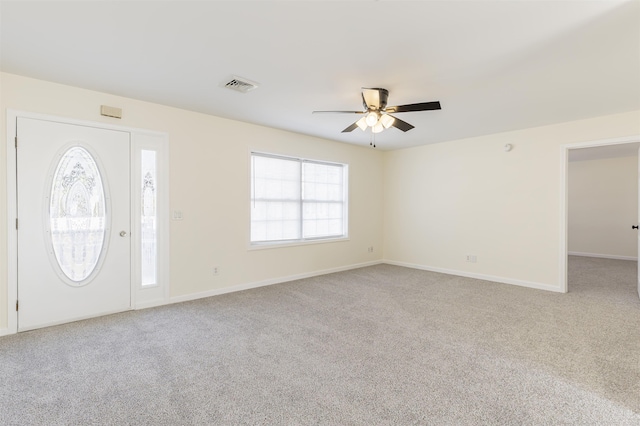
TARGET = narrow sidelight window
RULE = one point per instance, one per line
(149, 237)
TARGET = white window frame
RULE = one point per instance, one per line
(301, 241)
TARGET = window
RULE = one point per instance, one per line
(77, 214)
(150, 205)
(295, 199)
(148, 218)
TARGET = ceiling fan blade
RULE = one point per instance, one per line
(402, 125)
(351, 128)
(375, 98)
(422, 106)
(338, 112)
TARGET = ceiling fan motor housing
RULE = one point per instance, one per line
(375, 99)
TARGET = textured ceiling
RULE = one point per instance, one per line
(494, 65)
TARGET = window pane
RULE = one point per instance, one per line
(149, 217)
(274, 178)
(77, 214)
(275, 202)
(323, 200)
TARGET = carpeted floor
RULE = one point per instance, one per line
(379, 345)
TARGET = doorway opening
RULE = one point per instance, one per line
(600, 206)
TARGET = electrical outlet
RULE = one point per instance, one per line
(370, 249)
(177, 215)
(472, 258)
(216, 270)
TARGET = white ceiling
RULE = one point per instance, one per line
(494, 65)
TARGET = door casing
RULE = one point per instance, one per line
(564, 199)
(140, 139)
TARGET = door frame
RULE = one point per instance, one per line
(564, 196)
(140, 139)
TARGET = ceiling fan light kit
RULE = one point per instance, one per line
(372, 119)
(387, 120)
(377, 115)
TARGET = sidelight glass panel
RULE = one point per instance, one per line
(149, 216)
(77, 214)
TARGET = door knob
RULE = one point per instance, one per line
(634, 227)
(123, 233)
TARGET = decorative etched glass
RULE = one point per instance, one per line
(149, 218)
(77, 214)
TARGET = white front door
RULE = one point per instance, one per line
(73, 222)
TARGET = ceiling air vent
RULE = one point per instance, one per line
(240, 84)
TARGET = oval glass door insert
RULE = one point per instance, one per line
(77, 214)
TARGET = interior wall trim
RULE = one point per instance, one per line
(484, 277)
(603, 256)
(256, 284)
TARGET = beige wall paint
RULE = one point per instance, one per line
(441, 202)
(209, 182)
(447, 200)
(603, 204)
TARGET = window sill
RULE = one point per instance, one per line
(274, 245)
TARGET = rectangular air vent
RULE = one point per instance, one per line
(240, 84)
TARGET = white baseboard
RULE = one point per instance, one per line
(503, 280)
(151, 303)
(603, 256)
(279, 280)
(256, 284)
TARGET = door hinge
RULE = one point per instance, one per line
(16, 305)
(16, 223)
(16, 141)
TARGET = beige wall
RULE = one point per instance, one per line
(448, 200)
(603, 204)
(441, 202)
(209, 182)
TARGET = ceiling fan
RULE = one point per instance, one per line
(377, 113)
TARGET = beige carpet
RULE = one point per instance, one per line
(379, 345)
